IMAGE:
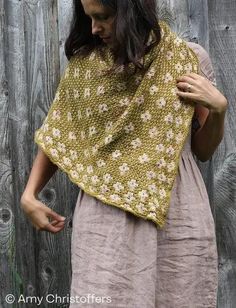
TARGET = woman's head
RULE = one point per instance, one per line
(102, 18)
(124, 25)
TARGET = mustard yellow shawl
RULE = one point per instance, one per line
(119, 136)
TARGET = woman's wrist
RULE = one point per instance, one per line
(220, 110)
(27, 200)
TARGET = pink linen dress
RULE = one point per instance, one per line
(132, 263)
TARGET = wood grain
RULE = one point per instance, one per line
(32, 60)
(222, 38)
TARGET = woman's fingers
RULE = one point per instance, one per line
(184, 86)
(54, 215)
(188, 87)
(42, 217)
(188, 98)
(200, 90)
(49, 228)
(191, 76)
(56, 223)
(186, 79)
(53, 229)
(187, 95)
(45, 219)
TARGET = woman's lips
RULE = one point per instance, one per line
(105, 38)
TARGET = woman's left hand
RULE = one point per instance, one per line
(196, 88)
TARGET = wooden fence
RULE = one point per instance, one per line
(32, 36)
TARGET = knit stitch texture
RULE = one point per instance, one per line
(119, 136)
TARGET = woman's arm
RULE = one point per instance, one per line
(41, 172)
(210, 110)
(38, 213)
(210, 133)
(210, 106)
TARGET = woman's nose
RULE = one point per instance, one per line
(96, 27)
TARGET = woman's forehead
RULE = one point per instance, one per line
(94, 7)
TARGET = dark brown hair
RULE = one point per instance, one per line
(134, 19)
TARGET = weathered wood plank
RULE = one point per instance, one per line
(22, 241)
(32, 85)
(42, 39)
(65, 10)
(222, 16)
(225, 200)
(198, 22)
(32, 34)
(223, 47)
(179, 17)
(8, 271)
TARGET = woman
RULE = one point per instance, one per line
(131, 82)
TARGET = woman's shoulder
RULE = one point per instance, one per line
(197, 48)
(200, 51)
(205, 62)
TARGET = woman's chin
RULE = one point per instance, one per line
(107, 41)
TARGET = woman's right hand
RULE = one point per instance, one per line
(41, 216)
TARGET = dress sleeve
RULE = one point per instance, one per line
(205, 63)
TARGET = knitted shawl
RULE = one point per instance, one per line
(119, 136)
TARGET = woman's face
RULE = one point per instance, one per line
(102, 19)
